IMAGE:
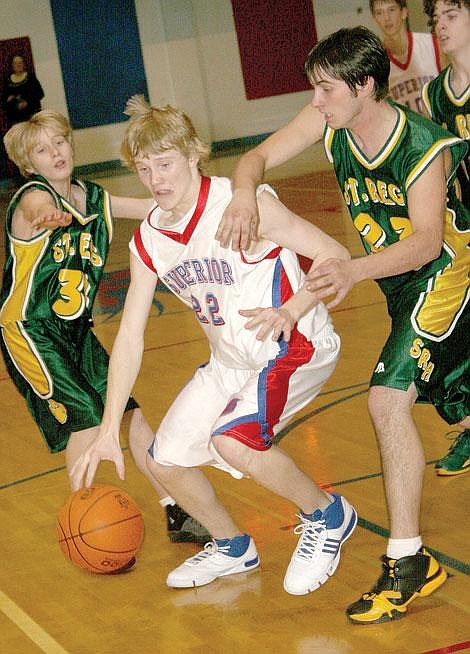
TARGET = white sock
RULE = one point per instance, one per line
(167, 501)
(398, 547)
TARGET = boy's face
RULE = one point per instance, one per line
(52, 156)
(451, 25)
(172, 178)
(389, 16)
(335, 100)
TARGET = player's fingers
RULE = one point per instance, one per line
(264, 331)
(77, 471)
(120, 469)
(247, 313)
(235, 239)
(222, 233)
(246, 232)
(91, 471)
(75, 481)
(286, 332)
(339, 297)
(313, 285)
(253, 322)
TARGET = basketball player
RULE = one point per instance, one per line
(272, 348)
(414, 56)
(392, 166)
(447, 101)
(58, 231)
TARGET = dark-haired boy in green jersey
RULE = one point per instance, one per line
(396, 170)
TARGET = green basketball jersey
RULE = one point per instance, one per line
(453, 112)
(445, 107)
(375, 190)
(57, 273)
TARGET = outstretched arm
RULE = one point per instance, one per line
(123, 207)
(239, 222)
(37, 211)
(124, 366)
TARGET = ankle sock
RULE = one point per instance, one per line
(399, 547)
(237, 545)
(334, 514)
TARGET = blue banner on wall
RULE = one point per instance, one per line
(101, 58)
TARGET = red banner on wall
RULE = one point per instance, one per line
(274, 39)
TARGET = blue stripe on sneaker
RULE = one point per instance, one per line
(252, 562)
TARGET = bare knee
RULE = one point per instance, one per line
(387, 406)
(378, 404)
(140, 433)
(160, 472)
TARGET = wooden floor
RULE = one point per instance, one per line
(48, 605)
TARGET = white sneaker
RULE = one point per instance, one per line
(210, 563)
(317, 554)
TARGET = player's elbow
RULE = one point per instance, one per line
(427, 248)
(433, 245)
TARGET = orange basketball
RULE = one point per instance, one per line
(100, 529)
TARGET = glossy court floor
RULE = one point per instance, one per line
(48, 605)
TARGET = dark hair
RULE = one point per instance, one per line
(352, 55)
(430, 5)
(401, 3)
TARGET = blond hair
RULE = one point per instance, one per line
(22, 138)
(153, 130)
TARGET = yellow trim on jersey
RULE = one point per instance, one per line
(107, 214)
(424, 162)
(459, 101)
(386, 150)
(425, 98)
(84, 219)
(27, 359)
(328, 140)
(26, 257)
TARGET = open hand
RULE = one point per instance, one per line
(334, 278)
(239, 222)
(104, 448)
(51, 218)
(278, 321)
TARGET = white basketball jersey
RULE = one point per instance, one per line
(216, 282)
(406, 80)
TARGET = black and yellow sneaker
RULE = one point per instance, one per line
(457, 459)
(402, 581)
(182, 528)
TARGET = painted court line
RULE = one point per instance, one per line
(457, 647)
(32, 630)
